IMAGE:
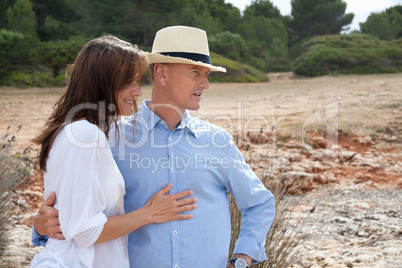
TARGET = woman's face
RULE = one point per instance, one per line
(126, 98)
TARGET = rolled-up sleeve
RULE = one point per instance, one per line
(256, 203)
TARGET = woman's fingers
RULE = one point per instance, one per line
(166, 189)
(186, 201)
(170, 206)
(186, 208)
(182, 194)
(184, 216)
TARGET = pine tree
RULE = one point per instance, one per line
(21, 18)
(318, 17)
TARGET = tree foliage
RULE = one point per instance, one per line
(265, 35)
(54, 19)
(4, 5)
(318, 17)
(21, 18)
(45, 31)
(262, 8)
(229, 44)
(385, 25)
(225, 14)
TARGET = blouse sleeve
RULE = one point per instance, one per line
(77, 181)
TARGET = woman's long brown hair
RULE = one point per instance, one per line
(103, 67)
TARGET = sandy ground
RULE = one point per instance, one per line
(362, 105)
(337, 141)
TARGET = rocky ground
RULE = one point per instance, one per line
(350, 197)
(344, 176)
(356, 227)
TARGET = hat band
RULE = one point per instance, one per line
(191, 56)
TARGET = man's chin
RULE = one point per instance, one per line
(194, 108)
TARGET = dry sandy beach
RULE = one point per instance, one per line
(336, 141)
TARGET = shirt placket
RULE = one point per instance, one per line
(173, 177)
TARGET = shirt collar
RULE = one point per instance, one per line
(146, 117)
(149, 119)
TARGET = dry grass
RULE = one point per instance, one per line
(14, 170)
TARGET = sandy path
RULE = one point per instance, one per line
(358, 200)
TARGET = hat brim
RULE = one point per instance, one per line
(158, 58)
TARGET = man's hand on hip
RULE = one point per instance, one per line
(46, 222)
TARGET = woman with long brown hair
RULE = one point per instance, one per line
(79, 166)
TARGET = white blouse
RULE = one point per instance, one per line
(89, 188)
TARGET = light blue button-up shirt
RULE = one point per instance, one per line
(194, 156)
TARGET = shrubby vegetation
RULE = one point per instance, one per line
(349, 54)
(235, 71)
(25, 61)
(38, 38)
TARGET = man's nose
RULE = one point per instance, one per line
(204, 83)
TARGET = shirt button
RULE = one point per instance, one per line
(161, 122)
(170, 139)
(172, 169)
(176, 266)
(175, 232)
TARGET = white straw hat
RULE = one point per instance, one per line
(182, 44)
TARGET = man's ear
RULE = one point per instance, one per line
(160, 71)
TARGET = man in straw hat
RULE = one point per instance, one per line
(169, 145)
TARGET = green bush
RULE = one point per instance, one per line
(39, 77)
(235, 72)
(16, 51)
(42, 64)
(229, 45)
(348, 54)
(58, 54)
(26, 62)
